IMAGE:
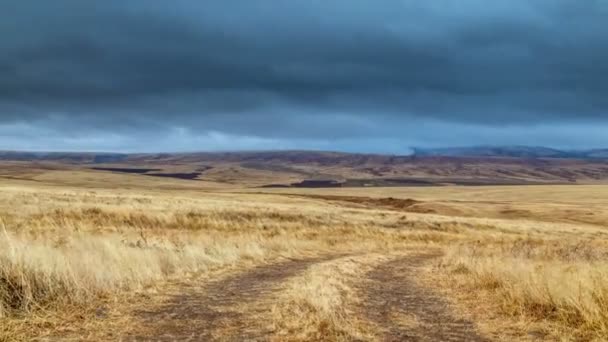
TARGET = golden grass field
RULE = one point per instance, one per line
(132, 258)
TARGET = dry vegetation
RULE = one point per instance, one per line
(66, 248)
(74, 260)
(556, 287)
(322, 299)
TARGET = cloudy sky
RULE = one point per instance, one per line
(352, 75)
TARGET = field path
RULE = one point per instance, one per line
(236, 308)
(407, 311)
(230, 309)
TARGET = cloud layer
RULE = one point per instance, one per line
(355, 75)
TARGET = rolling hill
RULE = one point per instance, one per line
(460, 166)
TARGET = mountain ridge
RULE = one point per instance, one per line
(516, 151)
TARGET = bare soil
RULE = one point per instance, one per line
(226, 310)
(406, 311)
(233, 308)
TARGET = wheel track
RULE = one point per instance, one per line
(407, 311)
(234, 308)
(225, 310)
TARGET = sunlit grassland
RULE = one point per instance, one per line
(64, 250)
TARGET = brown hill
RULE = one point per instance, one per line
(303, 168)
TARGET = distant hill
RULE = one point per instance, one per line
(303, 157)
(70, 157)
(511, 151)
(602, 153)
(460, 166)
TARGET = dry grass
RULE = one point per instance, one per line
(322, 300)
(65, 251)
(73, 249)
(534, 257)
(557, 287)
(79, 268)
(581, 204)
(69, 249)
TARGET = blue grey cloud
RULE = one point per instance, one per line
(303, 73)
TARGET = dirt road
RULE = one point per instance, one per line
(406, 311)
(234, 308)
(225, 310)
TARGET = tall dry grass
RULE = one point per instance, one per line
(81, 267)
(560, 286)
(318, 305)
(72, 248)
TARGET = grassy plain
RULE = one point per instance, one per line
(81, 256)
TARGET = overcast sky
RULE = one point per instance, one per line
(352, 75)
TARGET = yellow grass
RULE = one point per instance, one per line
(581, 204)
(563, 284)
(80, 267)
(65, 249)
(69, 247)
(322, 300)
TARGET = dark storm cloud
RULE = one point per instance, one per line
(303, 69)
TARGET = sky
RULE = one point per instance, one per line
(345, 75)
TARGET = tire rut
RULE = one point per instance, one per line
(407, 311)
(229, 309)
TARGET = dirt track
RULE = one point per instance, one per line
(407, 311)
(224, 310)
(230, 309)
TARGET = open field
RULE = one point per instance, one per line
(100, 255)
(582, 204)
